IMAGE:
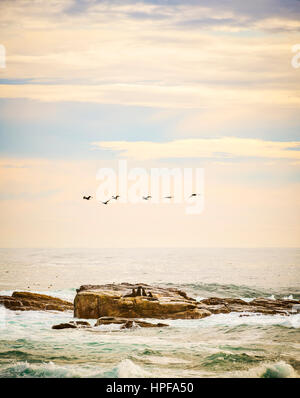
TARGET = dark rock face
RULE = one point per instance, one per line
(27, 301)
(72, 325)
(127, 323)
(64, 326)
(129, 301)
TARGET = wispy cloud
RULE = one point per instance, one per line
(160, 96)
(145, 53)
(228, 147)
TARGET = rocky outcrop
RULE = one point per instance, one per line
(27, 301)
(127, 323)
(72, 325)
(64, 326)
(120, 301)
(259, 305)
(144, 301)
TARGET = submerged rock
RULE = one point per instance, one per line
(72, 325)
(64, 326)
(27, 301)
(127, 323)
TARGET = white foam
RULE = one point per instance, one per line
(127, 368)
(107, 328)
(45, 370)
(269, 370)
(235, 319)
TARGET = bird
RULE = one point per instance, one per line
(168, 197)
(116, 197)
(87, 197)
(147, 197)
(106, 202)
(195, 194)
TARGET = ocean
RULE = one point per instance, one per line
(221, 345)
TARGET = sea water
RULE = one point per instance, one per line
(221, 345)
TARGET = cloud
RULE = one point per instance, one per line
(183, 97)
(228, 147)
(214, 14)
(150, 53)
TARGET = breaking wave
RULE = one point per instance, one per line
(44, 370)
(127, 368)
(270, 371)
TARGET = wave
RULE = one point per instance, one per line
(235, 320)
(275, 370)
(43, 370)
(16, 354)
(226, 360)
(126, 368)
(237, 291)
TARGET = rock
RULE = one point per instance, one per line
(127, 323)
(27, 301)
(259, 305)
(72, 325)
(129, 301)
(273, 303)
(113, 300)
(64, 326)
(216, 309)
(218, 301)
(107, 320)
(82, 323)
(195, 313)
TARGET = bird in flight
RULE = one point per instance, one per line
(87, 197)
(194, 194)
(147, 197)
(115, 197)
(168, 197)
(106, 202)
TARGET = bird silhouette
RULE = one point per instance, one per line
(106, 202)
(87, 197)
(147, 197)
(116, 197)
(194, 194)
(168, 197)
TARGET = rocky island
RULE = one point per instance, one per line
(145, 301)
(28, 301)
(126, 304)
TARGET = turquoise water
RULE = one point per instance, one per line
(223, 345)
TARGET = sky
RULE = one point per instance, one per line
(173, 84)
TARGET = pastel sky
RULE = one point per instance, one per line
(160, 83)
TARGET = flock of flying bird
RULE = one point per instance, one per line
(116, 197)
